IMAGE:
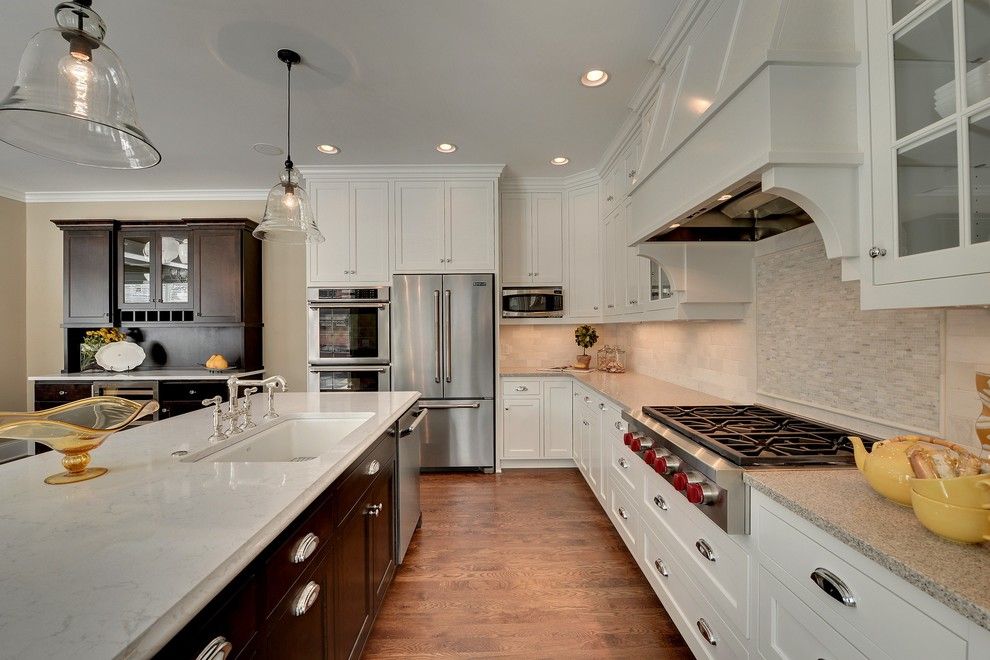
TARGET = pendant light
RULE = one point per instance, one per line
(72, 100)
(288, 215)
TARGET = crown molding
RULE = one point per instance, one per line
(483, 171)
(676, 30)
(223, 194)
(549, 183)
(10, 193)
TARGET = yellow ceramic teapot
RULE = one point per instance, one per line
(887, 468)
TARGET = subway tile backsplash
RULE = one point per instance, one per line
(807, 347)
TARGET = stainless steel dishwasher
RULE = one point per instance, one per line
(409, 440)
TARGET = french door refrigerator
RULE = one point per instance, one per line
(443, 345)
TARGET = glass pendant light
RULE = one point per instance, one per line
(288, 215)
(72, 99)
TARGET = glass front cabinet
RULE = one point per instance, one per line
(154, 269)
(929, 90)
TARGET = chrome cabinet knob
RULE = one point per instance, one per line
(601, 406)
(623, 463)
(618, 426)
(609, 198)
(305, 599)
(217, 649)
(877, 252)
(596, 308)
(623, 514)
(632, 174)
(304, 548)
(661, 567)
(660, 502)
(61, 392)
(375, 509)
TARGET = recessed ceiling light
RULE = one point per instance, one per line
(446, 148)
(328, 149)
(594, 78)
(268, 149)
(724, 198)
(560, 160)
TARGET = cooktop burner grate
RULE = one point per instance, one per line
(754, 435)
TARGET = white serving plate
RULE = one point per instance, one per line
(120, 356)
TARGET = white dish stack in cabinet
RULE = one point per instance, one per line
(532, 238)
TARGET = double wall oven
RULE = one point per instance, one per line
(349, 339)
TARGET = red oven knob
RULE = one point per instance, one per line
(660, 465)
(701, 493)
(650, 456)
(680, 480)
(627, 437)
(669, 464)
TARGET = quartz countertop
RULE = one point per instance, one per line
(116, 566)
(631, 391)
(842, 504)
(150, 374)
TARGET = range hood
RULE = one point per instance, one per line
(750, 215)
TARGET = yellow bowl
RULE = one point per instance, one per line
(956, 523)
(972, 491)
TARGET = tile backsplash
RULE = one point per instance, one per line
(805, 346)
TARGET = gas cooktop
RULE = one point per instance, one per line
(754, 435)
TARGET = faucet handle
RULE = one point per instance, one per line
(218, 433)
(215, 401)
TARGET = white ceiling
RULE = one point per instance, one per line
(383, 79)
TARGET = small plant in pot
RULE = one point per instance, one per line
(585, 336)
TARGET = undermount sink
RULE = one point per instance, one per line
(290, 440)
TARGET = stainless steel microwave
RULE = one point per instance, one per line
(532, 302)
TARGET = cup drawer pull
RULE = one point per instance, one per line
(218, 649)
(623, 514)
(374, 467)
(705, 549)
(306, 598)
(707, 632)
(661, 567)
(304, 549)
(833, 585)
(660, 502)
(623, 463)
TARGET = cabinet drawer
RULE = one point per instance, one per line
(790, 630)
(359, 478)
(521, 386)
(626, 466)
(892, 623)
(612, 420)
(234, 621)
(297, 554)
(624, 513)
(62, 392)
(192, 390)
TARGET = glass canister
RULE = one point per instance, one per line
(611, 359)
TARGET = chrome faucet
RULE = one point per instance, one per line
(238, 413)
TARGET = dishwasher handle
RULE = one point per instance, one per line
(448, 406)
(419, 415)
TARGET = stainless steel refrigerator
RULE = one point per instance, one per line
(443, 345)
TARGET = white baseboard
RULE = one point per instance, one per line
(531, 463)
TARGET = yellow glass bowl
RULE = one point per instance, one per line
(972, 491)
(956, 523)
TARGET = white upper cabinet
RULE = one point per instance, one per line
(353, 216)
(583, 289)
(444, 226)
(470, 226)
(418, 233)
(615, 269)
(930, 96)
(532, 238)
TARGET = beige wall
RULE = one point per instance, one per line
(284, 280)
(12, 304)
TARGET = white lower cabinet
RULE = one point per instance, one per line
(537, 418)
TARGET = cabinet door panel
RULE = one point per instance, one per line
(369, 232)
(419, 226)
(381, 495)
(548, 237)
(517, 248)
(557, 416)
(217, 269)
(175, 270)
(470, 226)
(136, 271)
(330, 260)
(352, 598)
(583, 295)
(521, 425)
(87, 265)
(615, 266)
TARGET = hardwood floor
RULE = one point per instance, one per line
(525, 564)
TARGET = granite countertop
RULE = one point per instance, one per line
(149, 374)
(116, 566)
(631, 391)
(842, 504)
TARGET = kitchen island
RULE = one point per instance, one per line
(119, 565)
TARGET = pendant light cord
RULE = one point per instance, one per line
(288, 118)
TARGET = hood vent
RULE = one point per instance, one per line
(750, 215)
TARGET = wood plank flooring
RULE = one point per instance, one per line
(525, 564)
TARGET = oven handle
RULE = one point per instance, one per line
(447, 406)
(363, 305)
(317, 370)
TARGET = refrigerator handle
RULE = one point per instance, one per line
(436, 328)
(447, 332)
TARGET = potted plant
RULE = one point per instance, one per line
(585, 336)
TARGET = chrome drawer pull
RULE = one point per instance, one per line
(661, 567)
(623, 463)
(618, 426)
(306, 598)
(374, 509)
(623, 514)
(831, 584)
(707, 633)
(521, 388)
(218, 649)
(705, 549)
(304, 549)
(601, 406)
(374, 467)
(660, 502)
